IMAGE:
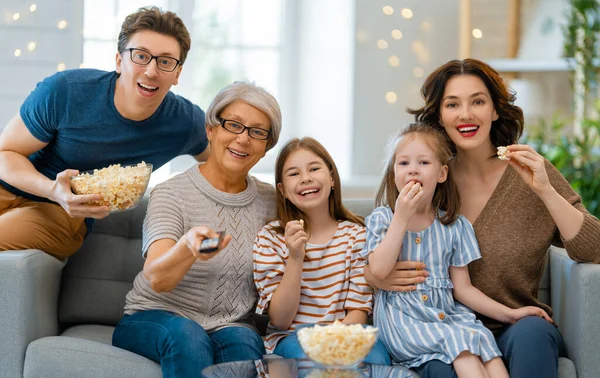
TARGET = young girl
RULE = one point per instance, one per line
(307, 267)
(418, 220)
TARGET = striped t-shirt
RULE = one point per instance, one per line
(332, 277)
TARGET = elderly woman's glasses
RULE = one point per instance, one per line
(238, 128)
(143, 58)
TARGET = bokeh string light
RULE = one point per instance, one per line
(22, 52)
(416, 45)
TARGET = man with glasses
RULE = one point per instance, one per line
(88, 119)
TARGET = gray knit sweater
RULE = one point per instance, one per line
(220, 291)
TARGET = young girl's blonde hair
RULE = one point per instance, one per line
(446, 196)
(286, 210)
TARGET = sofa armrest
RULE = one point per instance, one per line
(575, 300)
(29, 287)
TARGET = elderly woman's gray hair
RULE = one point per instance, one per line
(253, 95)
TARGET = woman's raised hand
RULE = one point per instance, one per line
(193, 239)
(296, 238)
(530, 165)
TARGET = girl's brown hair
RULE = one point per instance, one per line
(446, 196)
(286, 210)
(154, 19)
(507, 129)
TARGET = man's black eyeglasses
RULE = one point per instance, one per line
(238, 128)
(143, 58)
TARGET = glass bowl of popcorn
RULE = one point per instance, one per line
(121, 186)
(335, 373)
(337, 345)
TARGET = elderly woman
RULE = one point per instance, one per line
(190, 309)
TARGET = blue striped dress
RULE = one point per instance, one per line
(427, 324)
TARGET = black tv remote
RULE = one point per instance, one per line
(211, 244)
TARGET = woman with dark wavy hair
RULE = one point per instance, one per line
(506, 127)
(518, 208)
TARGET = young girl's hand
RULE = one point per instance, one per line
(295, 238)
(530, 165)
(408, 201)
(520, 313)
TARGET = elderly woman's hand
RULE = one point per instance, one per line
(530, 165)
(194, 237)
(295, 239)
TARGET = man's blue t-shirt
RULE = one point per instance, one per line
(74, 112)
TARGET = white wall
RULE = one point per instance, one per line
(334, 76)
(429, 39)
(325, 70)
(53, 46)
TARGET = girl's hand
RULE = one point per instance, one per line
(530, 165)
(408, 201)
(520, 313)
(193, 238)
(296, 238)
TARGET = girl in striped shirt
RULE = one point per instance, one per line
(418, 221)
(306, 264)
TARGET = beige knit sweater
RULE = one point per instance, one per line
(514, 232)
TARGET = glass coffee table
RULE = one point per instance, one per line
(290, 368)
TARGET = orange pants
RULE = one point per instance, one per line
(27, 224)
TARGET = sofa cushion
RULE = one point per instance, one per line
(97, 278)
(544, 292)
(92, 332)
(566, 368)
(65, 356)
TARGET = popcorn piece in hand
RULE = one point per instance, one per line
(302, 223)
(502, 151)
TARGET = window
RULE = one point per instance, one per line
(231, 40)
(101, 26)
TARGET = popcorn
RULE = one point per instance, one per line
(302, 223)
(502, 151)
(121, 187)
(337, 343)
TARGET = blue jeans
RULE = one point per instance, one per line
(181, 346)
(530, 348)
(290, 348)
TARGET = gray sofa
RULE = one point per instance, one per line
(57, 320)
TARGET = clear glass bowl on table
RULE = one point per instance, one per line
(337, 345)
